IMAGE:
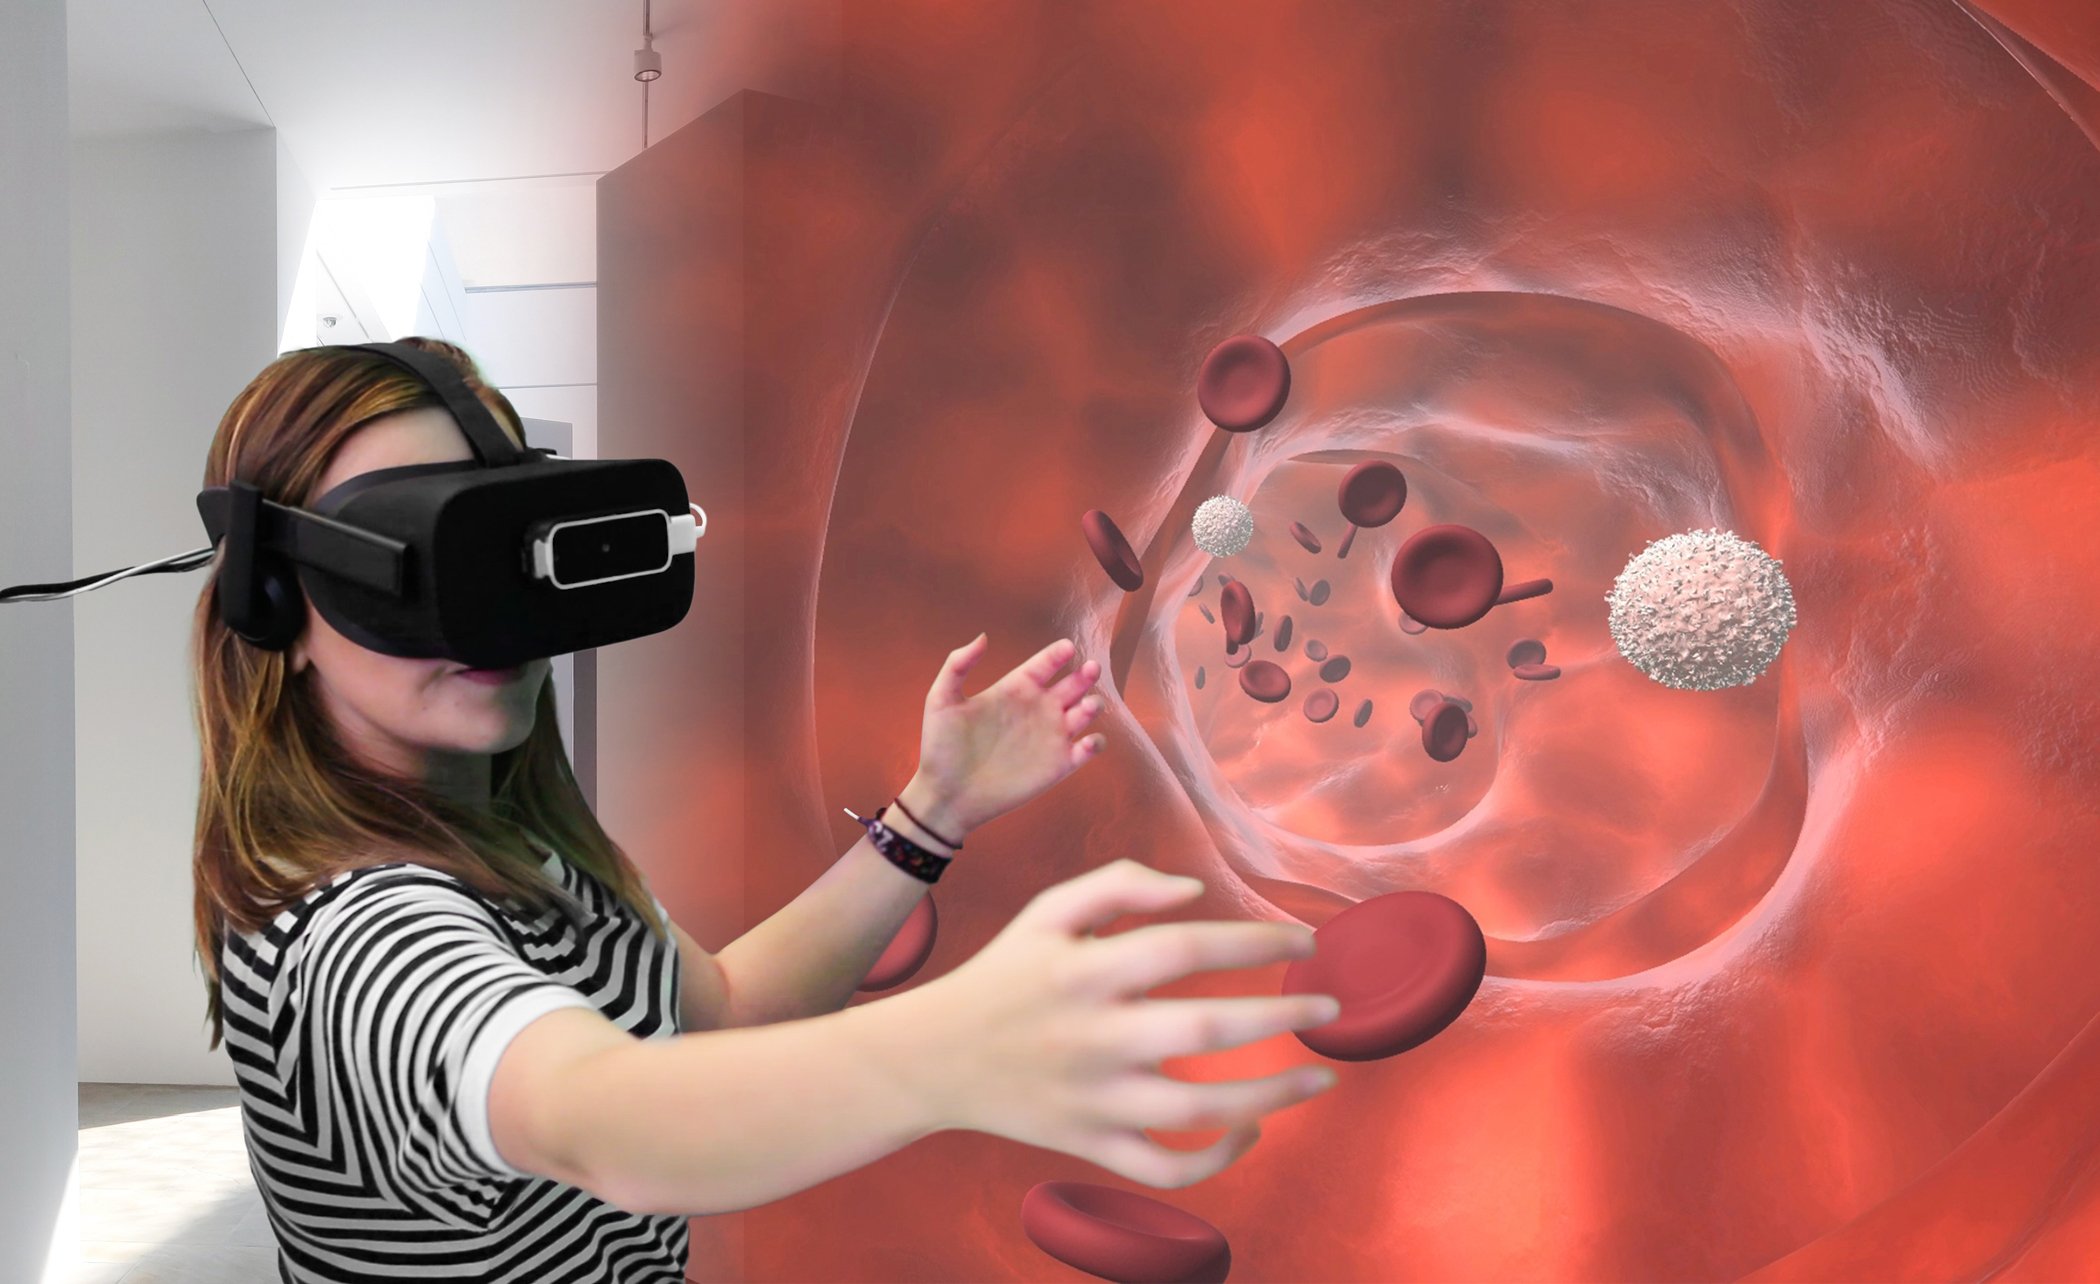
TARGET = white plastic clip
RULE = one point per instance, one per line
(685, 532)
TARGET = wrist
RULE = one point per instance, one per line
(932, 806)
(908, 1043)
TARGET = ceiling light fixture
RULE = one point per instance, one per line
(648, 65)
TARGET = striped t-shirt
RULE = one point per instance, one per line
(364, 1025)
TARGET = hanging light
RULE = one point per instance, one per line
(648, 64)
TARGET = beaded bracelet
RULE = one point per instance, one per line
(902, 852)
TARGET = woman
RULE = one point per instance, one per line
(415, 935)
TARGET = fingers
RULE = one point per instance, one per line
(1044, 664)
(1133, 1155)
(948, 683)
(1130, 963)
(1076, 684)
(1150, 1032)
(1104, 894)
(1079, 715)
(1158, 1101)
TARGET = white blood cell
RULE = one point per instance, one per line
(1701, 610)
(1222, 525)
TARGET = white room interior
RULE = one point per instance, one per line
(191, 187)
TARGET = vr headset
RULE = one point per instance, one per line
(490, 562)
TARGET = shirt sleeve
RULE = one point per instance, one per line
(415, 991)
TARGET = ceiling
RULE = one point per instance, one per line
(506, 110)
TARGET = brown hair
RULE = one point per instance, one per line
(283, 807)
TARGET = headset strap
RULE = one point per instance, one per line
(490, 443)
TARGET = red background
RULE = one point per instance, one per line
(1791, 981)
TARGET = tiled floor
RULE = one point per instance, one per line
(165, 1192)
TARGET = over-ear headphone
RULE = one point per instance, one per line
(279, 609)
(273, 610)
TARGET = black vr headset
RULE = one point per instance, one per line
(508, 557)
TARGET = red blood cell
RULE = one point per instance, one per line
(1238, 661)
(908, 950)
(1472, 727)
(1116, 1234)
(1447, 576)
(1244, 383)
(1306, 539)
(1460, 701)
(1315, 650)
(1321, 705)
(1112, 550)
(1424, 702)
(1372, 494)
(1523, 589)
(1363, 713)
(1526, 651)
(1283, 634)
(1197, 587)
(1348, 542)
(1411, 626)
(1404, 965)
(1266, 681)
(1537, 672)
(1199, 677)
(1301, 587)
(1319, 593)
(1223, 580)
(1335, 669)
(1237, 606)
(1444, 731)
(1206, 613)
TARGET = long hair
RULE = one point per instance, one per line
(283, 806)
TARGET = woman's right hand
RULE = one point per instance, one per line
(1042, 1037)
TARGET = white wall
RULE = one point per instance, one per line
(38, 1101)
(295, 215)
(178, 275)
(541, 348)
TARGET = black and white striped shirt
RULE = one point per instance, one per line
(364, 1025)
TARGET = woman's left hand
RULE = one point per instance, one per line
(986, 754)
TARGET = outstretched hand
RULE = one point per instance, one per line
(987, 754)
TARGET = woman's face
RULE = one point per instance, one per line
(417, 718)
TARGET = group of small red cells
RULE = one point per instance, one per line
(1415, 958)
(1444, 577)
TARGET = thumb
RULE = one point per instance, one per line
(1101, 896)
(948, 683)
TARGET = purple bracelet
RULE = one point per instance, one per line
(900, 851)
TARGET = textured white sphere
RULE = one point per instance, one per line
(1701, 610)
(1223, 525)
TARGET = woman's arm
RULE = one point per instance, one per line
(703, 988)
(811, 956)
(724, 1120)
